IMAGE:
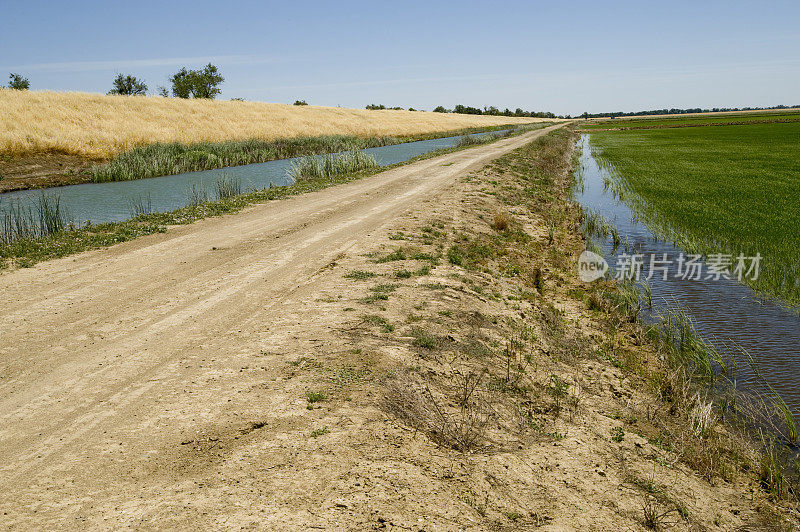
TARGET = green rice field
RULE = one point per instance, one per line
(732, 189)
(690, 121)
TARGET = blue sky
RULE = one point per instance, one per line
(565, 57)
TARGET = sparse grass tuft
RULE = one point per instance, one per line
(771, 470)
(227, 187)
(501, 221)
(316, 433)
(425, 339)
(315, 397)
(331, 164)
(42, 218)
(380, 293)
(398, 254)
(360, 275)
(379, 321)
(140, 206)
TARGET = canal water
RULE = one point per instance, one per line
(724, 311)
(112, 202)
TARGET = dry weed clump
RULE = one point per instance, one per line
(458, 421)
(501, 221)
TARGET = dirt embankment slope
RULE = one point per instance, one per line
(329, 361)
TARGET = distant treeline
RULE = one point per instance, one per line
(494, 111)
(466, 110)
(686, 111)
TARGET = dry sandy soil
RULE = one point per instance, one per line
(229, 374)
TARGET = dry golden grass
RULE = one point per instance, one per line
(99, 126)
(501, 220)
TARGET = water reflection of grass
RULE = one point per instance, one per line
(717, 190)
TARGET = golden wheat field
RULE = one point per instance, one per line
(99, 126)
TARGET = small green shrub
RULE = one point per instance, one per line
(316, 397)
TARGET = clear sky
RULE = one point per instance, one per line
(564, 57)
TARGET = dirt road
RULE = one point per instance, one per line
(113, 362)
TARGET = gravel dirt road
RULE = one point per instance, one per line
(127, 373)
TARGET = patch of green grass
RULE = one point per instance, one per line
(470, 254)
(425, 257)
(455, 256)
(380, 293)
(731, 190)
(398, 254)
(315, 397)
(360, 275)
(425, 339)
(384, 288)
(27, 252)
(316, 433)
(372, 298)
(407, 274)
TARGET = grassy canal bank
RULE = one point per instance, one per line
(43, 231)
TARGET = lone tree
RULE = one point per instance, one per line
(17, 82)
(197, 83)
(128, 86)
(440, 109)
